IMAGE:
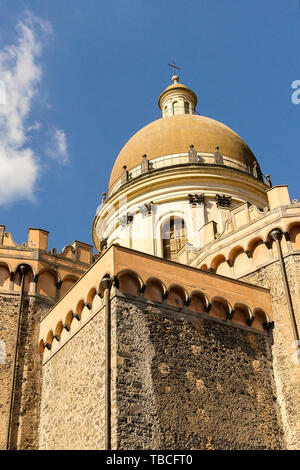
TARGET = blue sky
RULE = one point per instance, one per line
(88, 77)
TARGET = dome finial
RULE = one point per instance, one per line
(175, 67)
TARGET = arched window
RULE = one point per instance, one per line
(174, 237)
(186, 107)
(175, 107)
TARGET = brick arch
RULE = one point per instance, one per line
(198, 302)
(58, 329)
(68, 320)
(129, 282)
(49, 338)
(220, 308)
(79, 308)
(260, 319)
(41, 346)
(154, 289)
(177, 296)
(29, 276)
(235, 252)
(7, 265)
(294, 234)
(91, 294)
(242, 314)
(96, 297)
(222, 267)
(4, 276)
(51, 270)
(254, 241)
(259, 251)
(239, 260)
(47, 283)
(217, 260)
(67, 283)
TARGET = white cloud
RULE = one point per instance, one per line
(57, 148)
(36, 126)
(2, 92)
(21, 72)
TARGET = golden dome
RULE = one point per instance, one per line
(175, 134)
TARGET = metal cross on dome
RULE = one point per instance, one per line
(175, 67)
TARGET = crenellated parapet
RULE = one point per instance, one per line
(50, 273)
(134, 275)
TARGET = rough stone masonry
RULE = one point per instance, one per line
(179, 380)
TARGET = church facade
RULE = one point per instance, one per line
(183, 332)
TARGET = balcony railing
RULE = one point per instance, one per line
(179, 159)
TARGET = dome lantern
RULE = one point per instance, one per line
(177, 99)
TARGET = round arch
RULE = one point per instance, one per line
(260, 319)
(198, 302)
(47, 282)
(154, 289)
(242, 314)
(176, 296)
(129, 282)
(220, 308)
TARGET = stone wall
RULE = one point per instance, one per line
(8, 325)
(182, 381)
(72, 410)
(26, 403)
(287, 372)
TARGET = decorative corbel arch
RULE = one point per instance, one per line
(261, 319)
(176, 296)
(130, 282)
(79, 308)
(253, 242)
(293, 230)
(217, 260)
(58, 330)
(220, 308)
(68, 320)
(198, 302)
(68, 281)
(242, 314)
(49, 340)
(154, 289)
(5, 275)
(91, 294)
(234, 252)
